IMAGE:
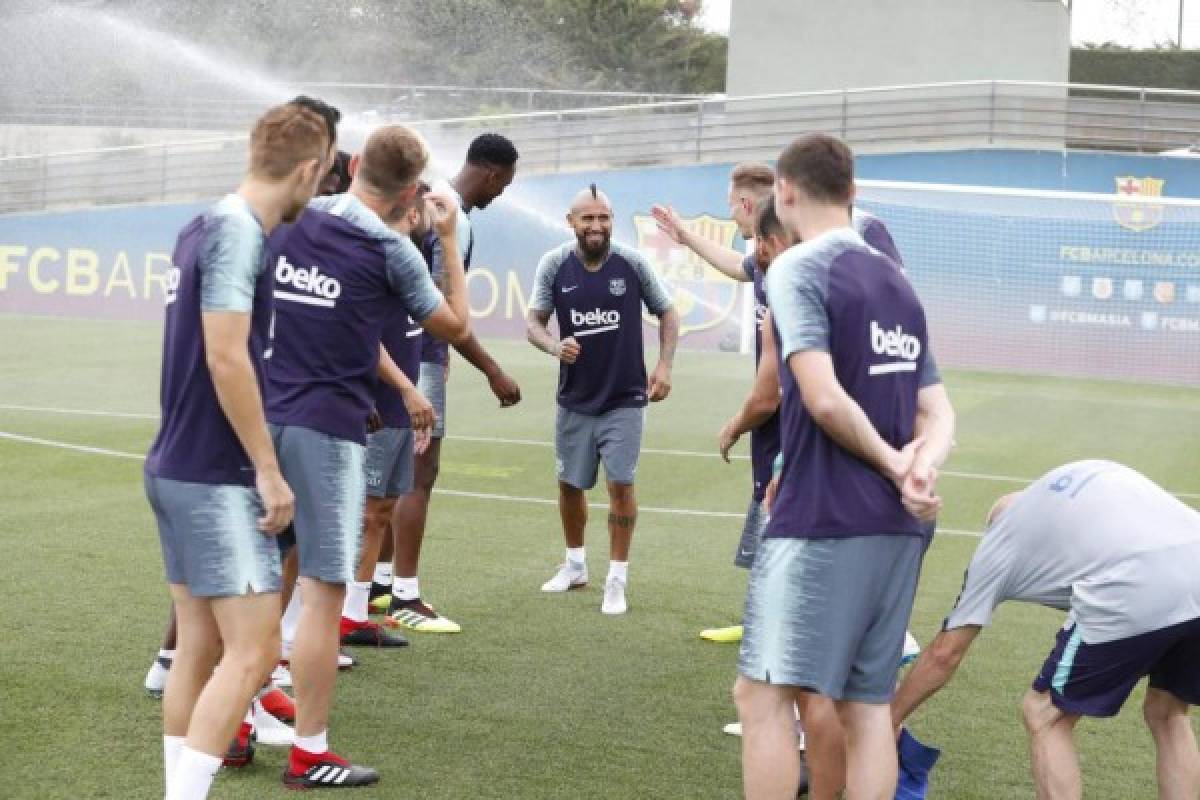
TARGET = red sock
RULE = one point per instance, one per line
(300, 760)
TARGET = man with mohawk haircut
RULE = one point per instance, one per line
(596, 290)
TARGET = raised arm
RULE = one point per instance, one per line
(726, 260)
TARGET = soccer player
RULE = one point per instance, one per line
(406, 422)
(275, 702)
(1122, 556)
(596, 290)
(211, 475)
(340, 276)
(489, 169)
(833, 581)
(750, 184)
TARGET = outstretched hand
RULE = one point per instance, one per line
(668, 222)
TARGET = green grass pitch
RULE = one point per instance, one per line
(540, 696)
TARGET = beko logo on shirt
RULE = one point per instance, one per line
(595, 321)
(321, 289)
(894, 344)
(171, 284)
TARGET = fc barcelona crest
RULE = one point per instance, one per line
(703, 297)
(617, 287)
(1138, 215)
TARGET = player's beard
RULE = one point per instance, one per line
(593, 252)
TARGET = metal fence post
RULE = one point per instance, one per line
(45, 177)
(1142, 119)
(992, 116)
(558, 136)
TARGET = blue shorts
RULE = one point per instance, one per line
(327, 476)
(389, 462)
(1095, 679)
(210, 538)
(829, 615)
(431, 381)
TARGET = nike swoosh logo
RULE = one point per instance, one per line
(573, 288)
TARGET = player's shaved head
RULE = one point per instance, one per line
(591, 219)
(590, 198)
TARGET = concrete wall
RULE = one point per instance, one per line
(780, 46)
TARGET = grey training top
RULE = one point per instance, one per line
(1094, 538)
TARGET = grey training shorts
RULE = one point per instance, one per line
(582, 441)
(829, 615)
(210, 538)
(327, 477)
(431, 381)
(389, 462)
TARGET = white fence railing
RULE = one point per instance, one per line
(712, 130)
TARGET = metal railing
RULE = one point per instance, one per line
(210, 111)
(714, 130)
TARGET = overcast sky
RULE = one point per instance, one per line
(1139, 23)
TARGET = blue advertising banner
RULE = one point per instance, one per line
(1104, 289)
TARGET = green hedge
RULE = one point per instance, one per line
(1168, 69)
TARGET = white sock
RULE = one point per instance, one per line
(383, 573)
(355, 605)
(249, 718)
(577, 556)
(291, 620)
(194, 774)
(405, 588)
(166, 654)
(171, 747)
(318, 743)
(619, 570)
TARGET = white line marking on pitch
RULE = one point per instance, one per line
(975, 476)
(541, 501)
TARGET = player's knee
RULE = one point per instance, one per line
(1038, 712)
(621, 492)
(1161, 708)
(742, 692)
(252, 661)
(748, 697)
